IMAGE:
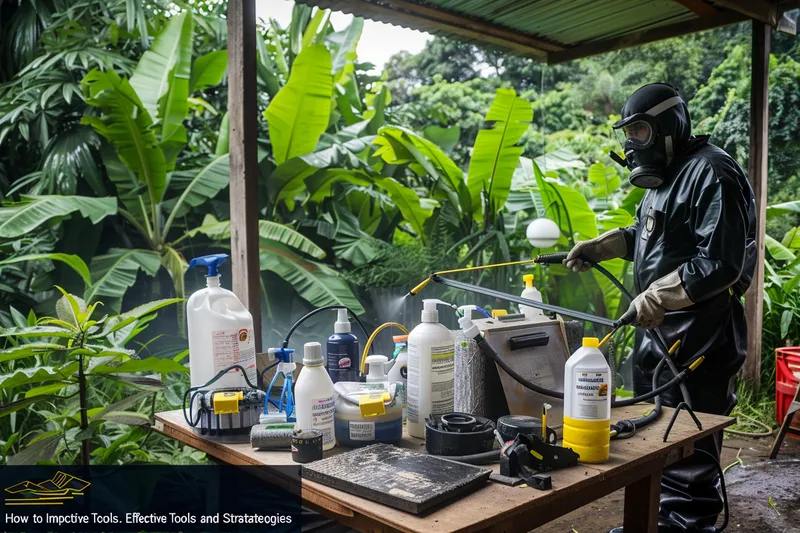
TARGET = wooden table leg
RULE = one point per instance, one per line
(641, 504)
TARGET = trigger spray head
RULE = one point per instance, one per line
(212, 262)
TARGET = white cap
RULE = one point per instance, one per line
(312, 354)
(377, 368)
(342, 324)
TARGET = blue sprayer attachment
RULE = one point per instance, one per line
(213, 262)
(285, 406)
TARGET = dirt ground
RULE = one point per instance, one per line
(749, 489)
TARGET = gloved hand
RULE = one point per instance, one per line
(609, 245)
(664, 294)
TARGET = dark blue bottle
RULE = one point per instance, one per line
(343, 355)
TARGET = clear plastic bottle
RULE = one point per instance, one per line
(587, 403)
(220, 331)
(314, 395)
(431, 363)
(399, 369)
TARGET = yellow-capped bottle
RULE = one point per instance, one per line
(587, 403)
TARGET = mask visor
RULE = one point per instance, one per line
(635, 135)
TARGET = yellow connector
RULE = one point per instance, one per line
(675, 347)
(415, 290)
(697, 362)
(227, 402)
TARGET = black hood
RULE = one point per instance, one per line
(674, 121)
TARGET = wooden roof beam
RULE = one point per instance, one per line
(767, 11)
(701, 8)
(429, 18)
(646, 36)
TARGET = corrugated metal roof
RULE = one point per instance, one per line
(558, 30)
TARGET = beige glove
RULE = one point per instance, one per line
(609, 245)
(664, 294)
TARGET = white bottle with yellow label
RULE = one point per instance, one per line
(587, 403)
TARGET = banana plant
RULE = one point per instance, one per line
(142, 120)
(60, 363)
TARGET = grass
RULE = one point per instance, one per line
(755, 414)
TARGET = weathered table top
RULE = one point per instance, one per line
(494, 507)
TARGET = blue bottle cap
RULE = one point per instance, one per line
(213, 263)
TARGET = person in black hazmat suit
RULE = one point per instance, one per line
(694, 254)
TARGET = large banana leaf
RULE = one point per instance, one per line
(299, 113)
(267, 230)
(197, 186)
(176, 266)
(128, 126)
(320, 184)
(174, 105)
(114, 272)
(208, 70)
(775, 210)
(346, 42)
(288, 179)
(398, 146)
(409, 204)
(315, 282)
(151, 78)
(73, 261)
(496, 153)
(19, 218)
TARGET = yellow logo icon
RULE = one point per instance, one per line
(55, 491)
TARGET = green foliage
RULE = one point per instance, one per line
(71, 391)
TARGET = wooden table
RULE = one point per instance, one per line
(635, 464)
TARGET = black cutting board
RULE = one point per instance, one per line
(410, 481)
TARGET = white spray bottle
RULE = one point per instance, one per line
(220, 331)
(430, 369)
(530, 293)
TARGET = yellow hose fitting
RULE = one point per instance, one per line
(415, 290)
(372, 338)
(697, 362)
(675, 347)
(605, 339)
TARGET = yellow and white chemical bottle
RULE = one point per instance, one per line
(587, 403)
(530, 293)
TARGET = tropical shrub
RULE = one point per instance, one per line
(73, 388)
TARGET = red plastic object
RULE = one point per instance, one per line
(787, 379)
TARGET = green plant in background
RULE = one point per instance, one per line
(73, 391)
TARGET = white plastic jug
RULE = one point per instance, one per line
(220, 332)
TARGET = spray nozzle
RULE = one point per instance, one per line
(213, 262)
(342, 324)
(468, 327)
(467, 310)
(429, 311)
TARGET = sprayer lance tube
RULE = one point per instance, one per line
(524, 301)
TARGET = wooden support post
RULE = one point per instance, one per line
(759, 149)
(243, 114)
(641, 504)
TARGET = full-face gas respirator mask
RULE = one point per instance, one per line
(648, 150)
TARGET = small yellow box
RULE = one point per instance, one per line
(373, 404)
(226, 402)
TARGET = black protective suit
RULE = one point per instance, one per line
(701, 222)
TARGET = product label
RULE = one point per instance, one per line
(412, 385)
(343, 361)
(322, 418)
(591, 395)
(442, 366)
(234, 347)
(362, 430)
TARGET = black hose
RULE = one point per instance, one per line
(722, 489)
(318, 310)
(626, 429)
(484, 458)
(559, 257)
(196, 390)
